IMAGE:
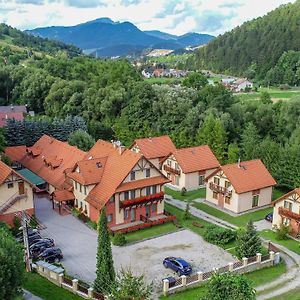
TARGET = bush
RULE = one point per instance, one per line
(183, 191)
(282, 232)
(284, 87)
(83, 218)
(219, 235)
(75, 212)
(119, 239)
(92, 224)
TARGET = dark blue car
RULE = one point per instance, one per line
(179, 265)
(269, 217)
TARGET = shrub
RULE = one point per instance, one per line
(75, 212)
(187, 213)
(83, 217)
(284, 87)
(219, 235)
(119, 239)
(183, 191)
(282, 232)
(92, 224)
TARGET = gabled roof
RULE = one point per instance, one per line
(195, 159)
(10, 115)
(247, 176)
(155, 147)
(295, 191)
(5, 171)
(59, 156)
(13, 108)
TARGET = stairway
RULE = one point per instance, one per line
(11, 201)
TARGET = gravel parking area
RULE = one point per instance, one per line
(79, 245)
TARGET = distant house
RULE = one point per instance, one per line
(15, 194)
(148, 72)
(240, 187)
(188, 167)
(242, 84)
(13, 108)
(155, 149)
(18, 116)
(287, 211)
(158, 73)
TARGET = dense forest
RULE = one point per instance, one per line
(116, 103)
(255, 47)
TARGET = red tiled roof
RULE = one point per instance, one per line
(10, 115)
(63, 195)
(15, 153)
(295, 191)
(5, 171)
(195, 159)
(248, 176)
(137, 184)
(45, 149)
(155, 147)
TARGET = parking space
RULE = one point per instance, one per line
(79, 246)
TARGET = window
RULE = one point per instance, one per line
(176, 180)
(76, 187)
(126, 195)
(255, 200)
(227, 184)
(80, 188)
(227, 199)
(109, 218)
(148, 190)
(112, 199)
(84, 188)
(126, 214)
(132, 175)
(132, 194)
(286, 222)
(201, 180)
(168, 175)
(147, 172)
(154, 189)
(10, 185)
(169, 163)
(215, 195)
(85, 208)
(76, 202)
(154, 207)
(288, 205)
(217, 180)
(80, 205)
(176, 166)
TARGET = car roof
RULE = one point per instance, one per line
(182, 262)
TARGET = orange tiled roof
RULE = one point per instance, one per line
(249, 176)
(155, 147)
(4, 116)
(142, 183)
(15, 153)
(295, 191)
(61, 155)
(63, 195)
(90, 171)
(195, 159)
(5, 171)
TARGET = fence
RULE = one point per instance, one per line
(243, 266)
(56, 276)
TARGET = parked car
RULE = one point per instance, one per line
(31, 232)
(39, 246)
(51, 255)
(179, 265)
(33, 238)
(269, 217)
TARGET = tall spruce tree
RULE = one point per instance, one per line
(105, 273)
(248, 241)
(250, 139)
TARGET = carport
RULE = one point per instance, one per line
(35, 180)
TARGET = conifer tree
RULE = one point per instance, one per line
(105, 273)
(248, 241)
(250, 139)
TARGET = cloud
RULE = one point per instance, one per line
(130, 2)
(34, 2)
(231, 5)
(84, 3)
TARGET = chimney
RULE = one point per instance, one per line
(121, 149)
(239, 162)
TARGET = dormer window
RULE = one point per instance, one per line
(147, 172)
(169, 162)
(132, 175)
(217, 180)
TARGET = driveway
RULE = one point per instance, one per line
(79, 246)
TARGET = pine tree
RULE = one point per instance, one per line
(105, 273)
(233, 153)
(250, 139)
(248, 241)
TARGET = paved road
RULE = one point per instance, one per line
(28, 296)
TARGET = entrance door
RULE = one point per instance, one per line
(173, 179)
(133, 215)
(221, 201)
(21, 188)
(147, 211)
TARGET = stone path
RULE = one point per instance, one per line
(28, 296)
(285, 283)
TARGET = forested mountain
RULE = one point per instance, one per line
(111, 38)
(18, 40)
(255, 47)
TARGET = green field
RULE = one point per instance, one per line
(257, 278)
(289, 243)
(291, 295)
(150, 232)
(164, 80)
(192, 195)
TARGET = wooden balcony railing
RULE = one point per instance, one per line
(143, 200)
(219, 189)
(171, 170)
(289, 214)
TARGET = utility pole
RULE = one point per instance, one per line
(26, 242)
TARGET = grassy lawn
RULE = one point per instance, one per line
(163, 80)
(289, 243)
(239, 221)
(257, 278)
(150, 232)
(43, 288)
(291, 295)
(192, 195)
(277, 194)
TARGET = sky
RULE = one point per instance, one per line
(172, 16)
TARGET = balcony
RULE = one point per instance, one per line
(171, 170)
(289, 214)
(142, 200)
(220, 189)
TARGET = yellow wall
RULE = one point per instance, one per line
(6, 193)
